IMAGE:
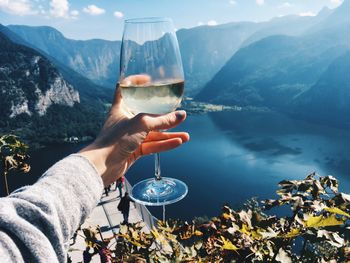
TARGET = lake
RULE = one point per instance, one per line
(231, 157)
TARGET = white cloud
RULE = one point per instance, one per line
(212, 23)
(74, 12)
(118, 14)
(200, 23)
(17, 7)
(285, 5)
(260, 2)
(336, 2)
(59, 8)
(232, 2)
(308, 13)
(42, 11)
(94, 10)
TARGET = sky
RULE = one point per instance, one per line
(87, 19)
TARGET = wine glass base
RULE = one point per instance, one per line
(152, 192)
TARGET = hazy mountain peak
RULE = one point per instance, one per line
(345, 4)
(9, 34)
(325, 11)
(340, 15)
(44, 30)
(333, 20)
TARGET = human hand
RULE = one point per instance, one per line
(124, 139)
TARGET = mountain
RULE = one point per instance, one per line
(37, 101)
(12, 36)
(206, 49)
(87, 89)
(290, 25)
(98, 60)
(95, 59)
(30, 83)
(339, 18)
(328, 100)
(270, 72)
(274, 71)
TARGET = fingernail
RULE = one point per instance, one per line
(180, 114)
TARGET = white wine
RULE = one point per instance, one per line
(155, 98)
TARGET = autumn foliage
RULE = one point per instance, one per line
(13, 157)
(314, 229)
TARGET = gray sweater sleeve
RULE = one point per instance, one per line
(37, 222)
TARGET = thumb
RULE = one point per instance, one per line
(152, 122)
(117, 98)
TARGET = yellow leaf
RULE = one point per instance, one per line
(245, 229)
(225, 216)
(198, 233)
(129, 239)
(336, 210)
(256, 234)
(293, 233)
(155, 233)
(228, 244)
(135, 243)
(321, 221)
(135, 235)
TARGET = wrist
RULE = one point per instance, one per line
(104, 159)
(96, 156)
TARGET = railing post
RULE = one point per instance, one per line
(146, 215)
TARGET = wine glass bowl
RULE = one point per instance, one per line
(141, 94)
(151, 73)
(152, 81)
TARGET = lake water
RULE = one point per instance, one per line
(233, 156)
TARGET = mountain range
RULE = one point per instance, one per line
(55, 87)
(96, 59)
(204, 49)
(303, 75)
(43, 102)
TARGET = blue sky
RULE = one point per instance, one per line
(86, 19)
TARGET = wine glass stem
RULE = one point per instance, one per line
(157, 166)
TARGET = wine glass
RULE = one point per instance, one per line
(152, 81)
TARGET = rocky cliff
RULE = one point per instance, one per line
(29, 82)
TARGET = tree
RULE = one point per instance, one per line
(13, 155)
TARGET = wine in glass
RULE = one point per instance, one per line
(152, 81)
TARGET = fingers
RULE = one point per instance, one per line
(160, 142)
(159, 136)
(140, 79)
(160, 146)
(117, 99)
(149, 122)
(135, 80)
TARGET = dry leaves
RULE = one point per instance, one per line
(318, 221)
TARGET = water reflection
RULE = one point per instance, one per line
(280, 139)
